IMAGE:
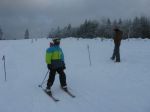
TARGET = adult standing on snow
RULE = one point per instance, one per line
(117, 41)
(55, 63)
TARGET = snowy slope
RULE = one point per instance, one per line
(103, 87)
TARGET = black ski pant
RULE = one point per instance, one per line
(116, 53)
(62, 77)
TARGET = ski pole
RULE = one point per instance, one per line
(4, 66)
(43, 79)
(89, 54)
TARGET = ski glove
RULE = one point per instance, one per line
(49, 66)
(64, 67)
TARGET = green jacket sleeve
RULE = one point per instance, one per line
(48, 57)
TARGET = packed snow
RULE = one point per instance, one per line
(103, 86)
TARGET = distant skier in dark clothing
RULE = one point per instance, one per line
(117, 41)
(55, 63)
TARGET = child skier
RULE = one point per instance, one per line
(55, 63)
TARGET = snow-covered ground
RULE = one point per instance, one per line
(104, 86)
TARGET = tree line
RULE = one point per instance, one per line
(138, 27)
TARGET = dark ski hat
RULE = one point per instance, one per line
(56, 39)
(116, 29)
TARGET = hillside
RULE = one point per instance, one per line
(104, 86)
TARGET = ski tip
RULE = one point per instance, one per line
(73, 96)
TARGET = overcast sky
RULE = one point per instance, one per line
(39, 16)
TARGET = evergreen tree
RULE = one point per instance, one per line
(145, 27)
(138, 27)
(105, 28)
(26, 36)
(1, 34)
(127, 29)
(88, 29)
(120, 22)
(69, 32)
(108, 31)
